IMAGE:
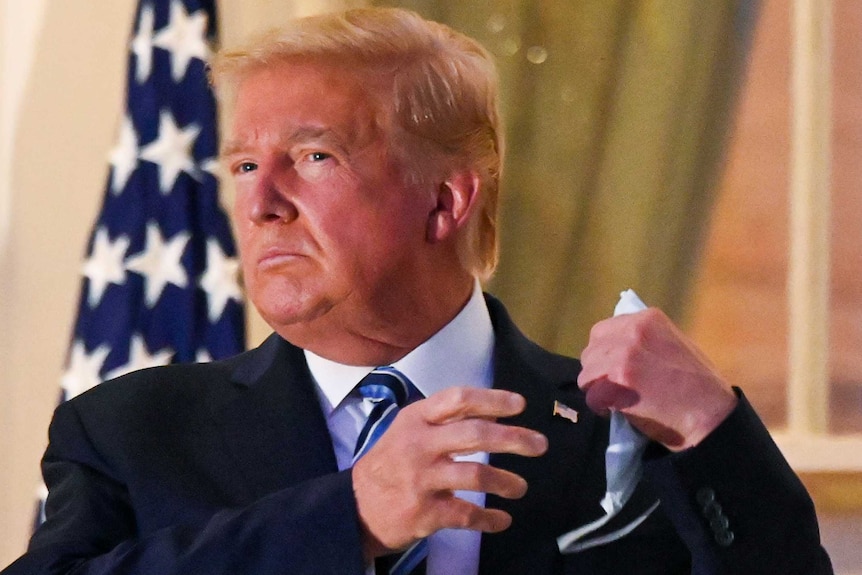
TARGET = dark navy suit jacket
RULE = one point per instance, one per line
(228, 468)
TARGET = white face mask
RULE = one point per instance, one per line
(622, 467)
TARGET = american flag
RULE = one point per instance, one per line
(160, 276)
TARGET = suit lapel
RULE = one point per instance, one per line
(276, 435)
(556, 480)
(273, 426)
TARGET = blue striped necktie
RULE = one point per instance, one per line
(389, 390)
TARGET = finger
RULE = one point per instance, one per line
(604, 395)
(599, 362)
(472, 476)
(453, 512)
(613, 329)
(630, 327)
(473, 435)
(620, 363)
(462, 402)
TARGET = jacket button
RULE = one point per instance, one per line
(712, 510)
(719, 523)
(724, 537)
(705, 496)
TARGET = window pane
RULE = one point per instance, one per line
(739, 313)
(740, 306)
(846, 305)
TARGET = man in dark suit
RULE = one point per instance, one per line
(366, 152)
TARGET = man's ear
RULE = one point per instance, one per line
(456, 197)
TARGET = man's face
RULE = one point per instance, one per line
(329, 233)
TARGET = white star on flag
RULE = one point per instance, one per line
(184, 37)
(124, 156)
(141, 358)
(82, 372)
(159, 263)
(105, 265)
(211, 166)
(171, 150)
(142, 44)
(219, 280)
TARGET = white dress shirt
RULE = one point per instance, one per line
(460, 354)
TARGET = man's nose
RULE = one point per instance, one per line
(271, 199)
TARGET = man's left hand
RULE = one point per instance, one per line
(643, 366)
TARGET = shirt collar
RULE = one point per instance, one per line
(460, 354)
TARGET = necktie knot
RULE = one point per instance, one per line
(389, 390)
(387, 384)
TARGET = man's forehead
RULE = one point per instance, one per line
(289, 104)
(342, 73)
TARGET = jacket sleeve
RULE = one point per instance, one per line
(737, 505)
(90, 526)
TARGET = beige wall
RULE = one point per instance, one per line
(61, 96)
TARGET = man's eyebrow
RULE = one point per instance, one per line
(302, 134)
(322, 135)
(229, 148)
(310, 133)
(318, 135)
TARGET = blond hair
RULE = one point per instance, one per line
(444, 86)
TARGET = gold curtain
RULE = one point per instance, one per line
(617, 113)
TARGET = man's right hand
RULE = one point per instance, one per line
(405, 484)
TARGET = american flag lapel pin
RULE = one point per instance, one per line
(564, 410)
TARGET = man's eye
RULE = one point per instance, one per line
(318, 156)
(246, 167)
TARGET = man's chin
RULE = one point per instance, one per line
(279, 319)
(293, 315)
